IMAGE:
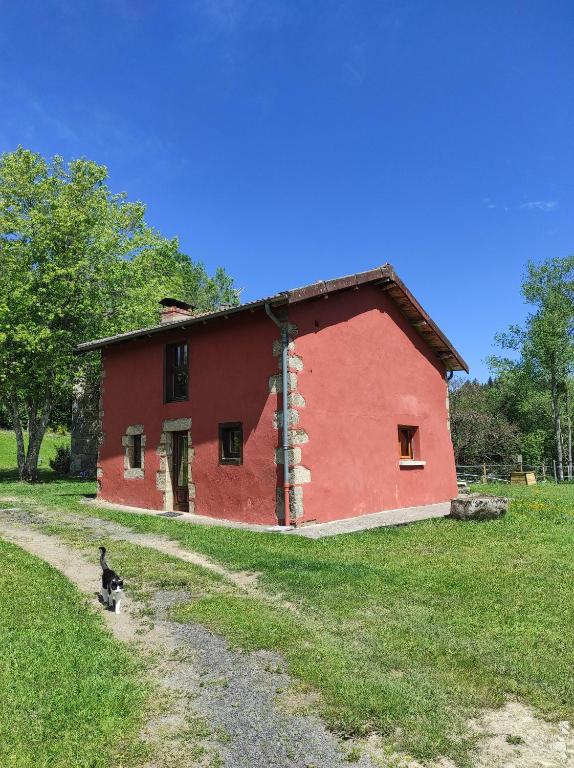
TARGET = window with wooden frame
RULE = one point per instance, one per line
(231, 443)
(406, 442)
(176, 372)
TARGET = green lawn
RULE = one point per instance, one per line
(47, 452)
(404, 631)
(63, 702)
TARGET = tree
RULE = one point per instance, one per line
(481, 433)
(76, 262)
(545, 343)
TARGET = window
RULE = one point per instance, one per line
(406, 442)
(176, 372)
(133, 442)
(137, 452)
(231, 443)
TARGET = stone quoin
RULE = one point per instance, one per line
(192, 409)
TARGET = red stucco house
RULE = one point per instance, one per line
(193, 409)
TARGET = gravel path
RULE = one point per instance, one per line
(240, 694)
(236, 692)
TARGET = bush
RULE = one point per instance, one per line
(61, 462)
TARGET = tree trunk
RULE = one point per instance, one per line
(28, 459)
(19, 432)
(557, 430)
(36, 431)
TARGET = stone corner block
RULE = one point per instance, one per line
(160, 481)
(295, 503)
(295, 399)
(292, 418)
(292, 330)
(299, 475)
(293, 456)
(297, 437)
(276, 382)
(294, 363)
(278, 347)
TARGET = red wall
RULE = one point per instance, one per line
(365, 372)
(230, 365)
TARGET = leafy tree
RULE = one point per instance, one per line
(76, 262)
(545, 343)
(526, 405)
(480, 431)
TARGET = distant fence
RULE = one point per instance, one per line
(500, 473)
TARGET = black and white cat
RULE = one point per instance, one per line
(112, 584)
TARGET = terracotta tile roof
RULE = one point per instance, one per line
(384, 276)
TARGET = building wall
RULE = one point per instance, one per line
(357, 371)
(230, 366)
(364, 372)
(85, 429)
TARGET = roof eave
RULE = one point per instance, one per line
(421, 321)
(91, 346)
(385, 276)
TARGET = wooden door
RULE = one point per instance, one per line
(180, 472)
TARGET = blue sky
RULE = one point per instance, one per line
(292, 141)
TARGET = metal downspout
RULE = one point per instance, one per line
(285, 408)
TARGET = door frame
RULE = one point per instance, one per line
(177, 438)
(164, 451)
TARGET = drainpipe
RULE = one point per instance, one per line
(285, 408)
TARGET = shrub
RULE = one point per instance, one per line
(61, 462)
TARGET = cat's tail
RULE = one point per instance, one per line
(103, 558)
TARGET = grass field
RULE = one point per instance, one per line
(58, 708)
(404, 631)
(47, 452)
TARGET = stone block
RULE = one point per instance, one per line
(292, 330)
(278, 347)
(294, 362)
(295, 399)
(297, 437)
(476, 506)
(176, 425)
(276, 383)
(299, 475)
(160, 481)
(135, 429)
(292, 418)
(294, 456)
(295, 503)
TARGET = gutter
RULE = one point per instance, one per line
(285, 409)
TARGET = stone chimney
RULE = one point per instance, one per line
(172, 310)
